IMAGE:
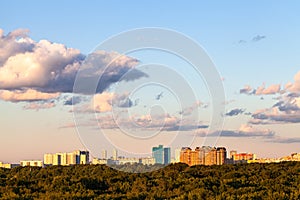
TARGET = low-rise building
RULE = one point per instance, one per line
(32, 163)
(72, 158)
(124, 160)
(99, 161)
(5, 165)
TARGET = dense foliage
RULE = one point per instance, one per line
(178, 181)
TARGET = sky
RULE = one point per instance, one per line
(147, 97)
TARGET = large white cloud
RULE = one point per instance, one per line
(49, 67)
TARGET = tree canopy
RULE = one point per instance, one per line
(176, 181)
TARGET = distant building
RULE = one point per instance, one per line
(295, 156)
(221, 155)
(124, 160)
(177, 155)
(104, 154)
(232, 153)
(161, 155)
(158, 154)
(101, 161)
(243, 156)
(147, 161)
(48, 159)
(203, 156)
(115, 154)
(6, 165)
(32, 163)
(236, 158)
(56, 160)
(73, 158)
(167, 155)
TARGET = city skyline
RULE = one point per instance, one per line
(204, 155)
(254, 47)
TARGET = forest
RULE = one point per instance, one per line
(175, 181)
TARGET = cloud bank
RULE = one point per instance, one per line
(37, 70)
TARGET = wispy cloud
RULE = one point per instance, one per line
(245, 130)
(283, 140)
(73, 100)
(159, 96)
(193, 108)
(39, 105)
(261, 90)
(235, 112)
(258, 38)
(26, 95)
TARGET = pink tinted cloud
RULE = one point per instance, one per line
(27, 95)
(272, 89)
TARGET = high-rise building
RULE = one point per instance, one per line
(211, 157)
(158, 154)
(185, 155)
(203, 156)
(161, 155)
(167, 155)
(48, 159)
(190, 157)
(221, 155)
(71, 159)
(177, 155)
(104, 154)
(56, 159)
(115, 154)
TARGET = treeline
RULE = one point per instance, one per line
(176, 181)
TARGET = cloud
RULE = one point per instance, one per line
(272, 89)
(258, 38)
(186, 128)
(48, 67)
(110, 67)
(26, 95)
(102, 102)
(245, 130)
(235, 112)
(39, 105)
(242, 41)
(261, 90)
(159, 96)
(146, 122)
(73, 100)
(189, 110)
(294, 87)
(286, 110)
(246, 90)
(283, 140)
(105, 101)
(13, 43)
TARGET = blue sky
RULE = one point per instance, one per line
(226, 30)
